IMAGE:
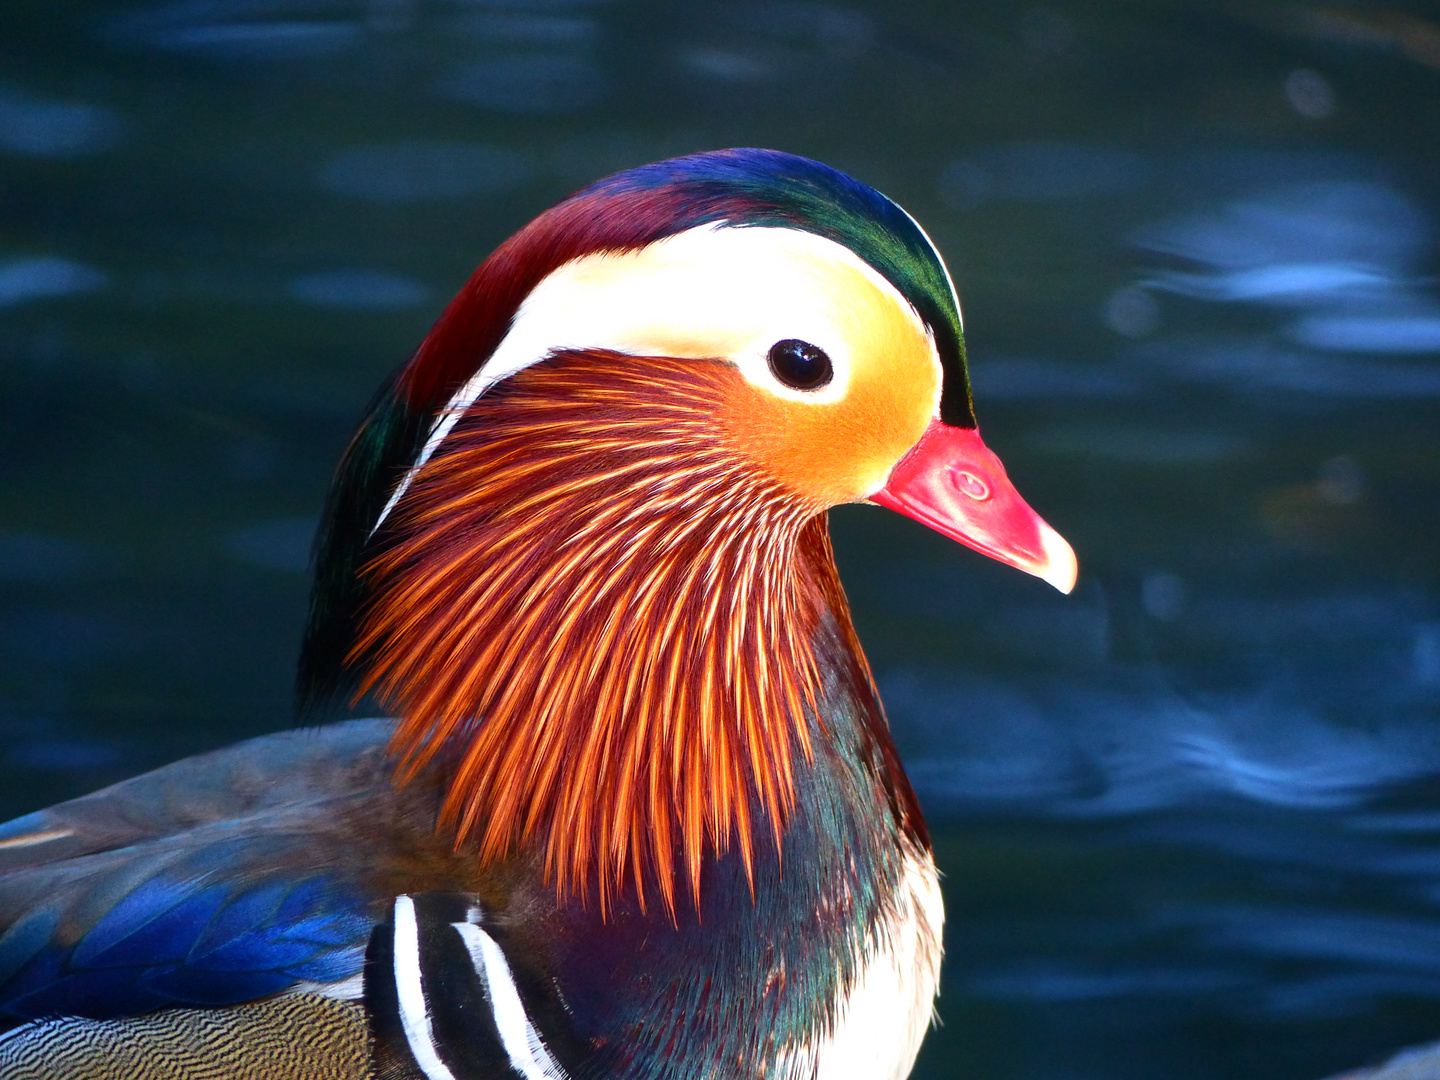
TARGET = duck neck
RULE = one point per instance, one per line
(614, 632)
(844, 909)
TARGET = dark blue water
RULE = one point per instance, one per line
(1189, 816)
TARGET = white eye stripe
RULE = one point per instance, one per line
(708, 292)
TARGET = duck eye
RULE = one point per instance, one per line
(800, 365)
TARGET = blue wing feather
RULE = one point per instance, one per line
(192, 986)
(157, 923)
(206, 883)
(25, 938)
(239, 920)
(172, 942)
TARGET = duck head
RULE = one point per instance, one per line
(579, 541)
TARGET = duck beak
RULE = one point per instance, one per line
(955, 484)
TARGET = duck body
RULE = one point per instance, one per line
(272, 867)
(639, 815)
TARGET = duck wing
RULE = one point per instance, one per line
(216, 880)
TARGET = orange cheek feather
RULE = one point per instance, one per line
(838, 452)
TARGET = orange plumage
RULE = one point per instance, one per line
(592, 567)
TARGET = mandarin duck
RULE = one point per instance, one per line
(639, 815)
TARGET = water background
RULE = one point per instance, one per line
(1189, 816)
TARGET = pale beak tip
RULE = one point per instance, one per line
(1060, 567)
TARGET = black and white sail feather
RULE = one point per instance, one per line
(448, 1002)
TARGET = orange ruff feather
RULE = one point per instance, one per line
(602, 614)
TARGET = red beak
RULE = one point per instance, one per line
(952, 482)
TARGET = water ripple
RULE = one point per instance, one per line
(39, 128)
(358, 289)
(46, 278)
(1106, 752)
(407, 172)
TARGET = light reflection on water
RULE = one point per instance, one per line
(24, 280)
(1106, 750)
(416, 171)
(1344, 255)
(1041, 172)
(358, 289)
(1188, 816)
(37, 127)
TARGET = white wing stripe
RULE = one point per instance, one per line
(410, 993)
(528, 1055)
